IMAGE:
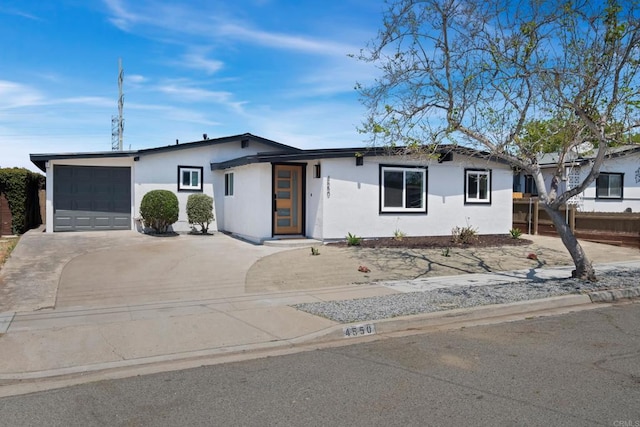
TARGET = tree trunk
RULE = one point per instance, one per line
(584, 270)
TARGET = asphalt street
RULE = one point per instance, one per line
(577, 369)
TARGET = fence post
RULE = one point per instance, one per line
(572, 218)
(535, 217)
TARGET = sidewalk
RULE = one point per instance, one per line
(51, 348)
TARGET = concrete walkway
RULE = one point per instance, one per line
(143, 315)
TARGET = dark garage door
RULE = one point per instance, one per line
(91, 198)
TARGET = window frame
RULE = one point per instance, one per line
(190, 188)
(402, 210)
(478, 172)
(609, 196)
(229, 184)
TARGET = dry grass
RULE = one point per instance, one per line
(6, 246)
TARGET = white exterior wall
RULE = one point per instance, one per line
(314, 201)
(248, 212)
(630, 167)
(160, 172)
(112, 161)
(351, 200)
(587, 201)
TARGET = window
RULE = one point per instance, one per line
(228, 184)
(403, 189)
(609, 186)
(477, 186)
(189, 178)
(530, 186)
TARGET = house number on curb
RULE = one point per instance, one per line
(328, 187)
(359, 330)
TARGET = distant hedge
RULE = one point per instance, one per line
(20, 186)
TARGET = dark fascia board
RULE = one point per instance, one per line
(292, 156)
(40, 160)
(332, 153)
(223, 140)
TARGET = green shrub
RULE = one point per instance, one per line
(353, 240)
(464, 235)
(200, 211)
(20, 186)
(515, 233)
(159, 209)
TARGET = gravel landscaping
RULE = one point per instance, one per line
(384, 307)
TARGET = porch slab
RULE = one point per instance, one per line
(292, 243)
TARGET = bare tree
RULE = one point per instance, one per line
(480, 73)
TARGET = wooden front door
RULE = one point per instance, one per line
(287, 199)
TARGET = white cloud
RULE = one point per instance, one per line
(150, 16)
(135, 78)
(200, 62)
(15, 95)
(285, 41)
(20, 13)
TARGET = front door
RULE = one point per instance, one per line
(287, 199)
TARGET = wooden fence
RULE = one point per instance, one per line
(5, 216)
(616, 228)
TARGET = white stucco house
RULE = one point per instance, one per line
(616, 189)
(263, 189)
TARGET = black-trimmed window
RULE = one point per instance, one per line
(609, 185)
(530, 186)
(403, 189)
(228, 184)
(189, 178)
(477, 186)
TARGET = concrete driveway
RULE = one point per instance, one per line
(63, 270)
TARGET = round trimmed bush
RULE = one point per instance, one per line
(200, 211)
(159, 209)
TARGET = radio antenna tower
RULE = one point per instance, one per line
(117, 122)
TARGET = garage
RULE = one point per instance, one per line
(91, 198)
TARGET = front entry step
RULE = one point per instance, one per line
(292, 243)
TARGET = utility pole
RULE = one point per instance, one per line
(117, 122)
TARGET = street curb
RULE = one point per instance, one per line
(453, 318)
(614, 295)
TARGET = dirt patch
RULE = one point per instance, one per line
(386, 259)
(6, 246)
(414, 258)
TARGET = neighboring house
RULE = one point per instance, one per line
(617, 188)
(263, 189)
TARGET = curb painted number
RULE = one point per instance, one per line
(359, 330)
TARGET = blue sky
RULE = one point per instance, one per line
(275, 68)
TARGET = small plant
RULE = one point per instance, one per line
(200, 211)
(399, 235)
(515, 233)
(159, 209)
(532, 256)
(353, 240)
(364, 269)
(464, 235)
(315, 251)
(445, 252)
